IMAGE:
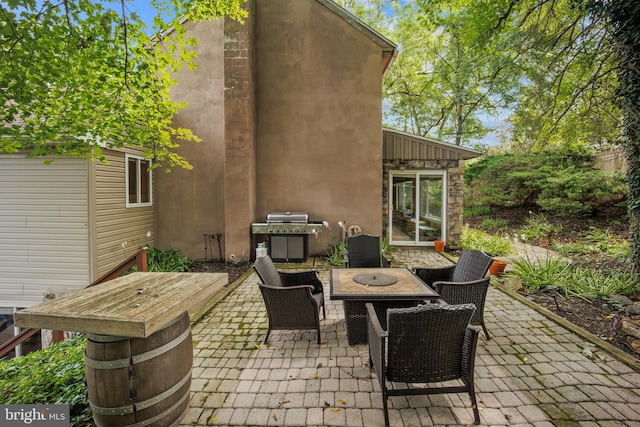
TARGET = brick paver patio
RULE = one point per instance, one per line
(532, 372)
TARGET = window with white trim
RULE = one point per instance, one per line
(138, 175)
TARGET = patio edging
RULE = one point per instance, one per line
(609, 348)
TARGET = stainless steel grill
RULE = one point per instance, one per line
(287, 223)
(287, 234)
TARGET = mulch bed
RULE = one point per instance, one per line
(594, 315)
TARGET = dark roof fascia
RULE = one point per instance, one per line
(470, 152)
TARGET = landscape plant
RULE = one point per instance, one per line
(491, 244)
(168, 260)
(54, 375)
(570, 279)
(538, 226)
(560, 181)
(596, 241)
(335, 252)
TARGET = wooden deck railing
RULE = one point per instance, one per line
(139, 259)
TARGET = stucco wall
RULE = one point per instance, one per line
(303, 135)
(318, 118)
(189, 203)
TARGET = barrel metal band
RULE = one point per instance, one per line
(150, 402)
(129, 409)
(106, 364)
(162, 414)
(139, 358)
(119, 410)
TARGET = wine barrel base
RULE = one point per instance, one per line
(140, 381)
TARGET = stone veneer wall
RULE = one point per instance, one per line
(455, 183)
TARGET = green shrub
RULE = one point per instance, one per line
(564, 182)
(167, 261)
(477, 210)
(573, 280)
(54, 375)
(493, 245)
(578, 191)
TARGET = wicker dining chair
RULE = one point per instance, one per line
(474, 292)
(471, 265)
(363, 251)
(291, 308)
(431, 343)
(269, 275)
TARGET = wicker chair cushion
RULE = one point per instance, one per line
(267, 271)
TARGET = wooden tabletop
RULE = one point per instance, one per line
(135, 305)
(407, 285)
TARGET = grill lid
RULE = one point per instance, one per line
(288, 217)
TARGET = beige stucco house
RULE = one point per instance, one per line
(289, 109)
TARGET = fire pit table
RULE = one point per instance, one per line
(384, 287)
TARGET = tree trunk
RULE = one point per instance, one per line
(624, 16)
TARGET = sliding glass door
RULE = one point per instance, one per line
(417, 202)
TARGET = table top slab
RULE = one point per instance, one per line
(135, 305)
(407, 286)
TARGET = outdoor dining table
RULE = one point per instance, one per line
(139, 350)
(383, 287)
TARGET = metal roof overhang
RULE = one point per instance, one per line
(397, 145)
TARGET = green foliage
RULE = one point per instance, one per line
(537, 226)
(386, 249)
(335, 252)
(492, 245)
(573, 280)
(495, 224)
(596, 241)
(623, 17)
(563, 182)
(81, 75)
(54, 375)
(167, 260)
(477, 210)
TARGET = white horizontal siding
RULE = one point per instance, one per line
(44, 228)
(119, 231)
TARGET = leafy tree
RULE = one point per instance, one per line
(624, 18)
(448, 75)
(81, 75)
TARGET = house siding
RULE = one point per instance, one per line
(44, 228)
(117, 231)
